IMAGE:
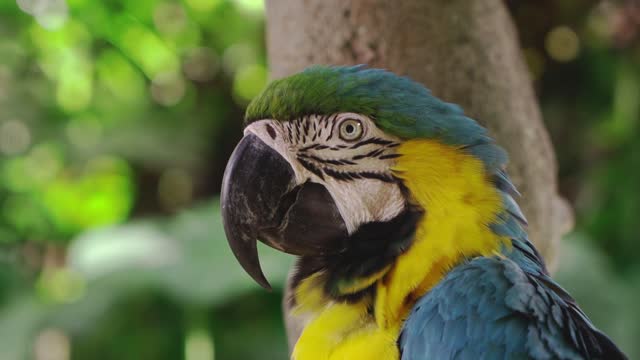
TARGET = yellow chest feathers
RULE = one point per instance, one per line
(460, 202)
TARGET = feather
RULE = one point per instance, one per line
(537, 318)
(398, 105)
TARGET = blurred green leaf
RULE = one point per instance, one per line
(588, 275)
(186, 258)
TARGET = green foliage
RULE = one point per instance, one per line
(117, 91)
(609, 300)
(178, 271)
(116, 119)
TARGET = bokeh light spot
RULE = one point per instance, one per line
(50, 14)
(238, 56)
(175, 189)
(43, 164)
(52, 344)
(253, 6)
(123, 82)
(102, 194)
(249, 81)
(146, 49)
(75, 81)
(169, 18)
(14, 174)
(562, 44)
(199, 346)
(61, 285)
(33, 171)
(200, 64)
(15, 137)
(74, 35)
(168, 88)
(203, 5)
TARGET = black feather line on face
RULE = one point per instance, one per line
(310, 147)
(377, 141)
(338, 175)
(378, 176)
(305, 126)
(298, 132)
(288, 131)
(349, 175)
(378, 152)
(309, 166)
(364, 156)
(327, 161)
(388, 156)
(333, 124)
(321, 125)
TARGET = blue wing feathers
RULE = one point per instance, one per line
(503, 183)
(493, 156)
(491, 308)
(512, 208)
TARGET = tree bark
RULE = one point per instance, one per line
(466, 52)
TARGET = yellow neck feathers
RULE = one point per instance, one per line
(460, 202)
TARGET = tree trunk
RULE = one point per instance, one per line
(466, 52)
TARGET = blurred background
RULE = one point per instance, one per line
(117, 117)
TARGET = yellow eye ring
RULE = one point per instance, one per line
(350, 130)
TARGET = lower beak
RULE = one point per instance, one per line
(262, 201)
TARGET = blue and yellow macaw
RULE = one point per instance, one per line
(410, 244)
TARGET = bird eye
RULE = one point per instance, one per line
(350, 130)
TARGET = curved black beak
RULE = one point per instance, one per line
(261, 201)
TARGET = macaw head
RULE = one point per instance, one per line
(342, 163)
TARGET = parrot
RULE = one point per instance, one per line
(408, 239)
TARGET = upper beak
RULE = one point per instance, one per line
(262, 201)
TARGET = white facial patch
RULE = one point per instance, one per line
(347, 154)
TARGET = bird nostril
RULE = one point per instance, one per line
(271, 131)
